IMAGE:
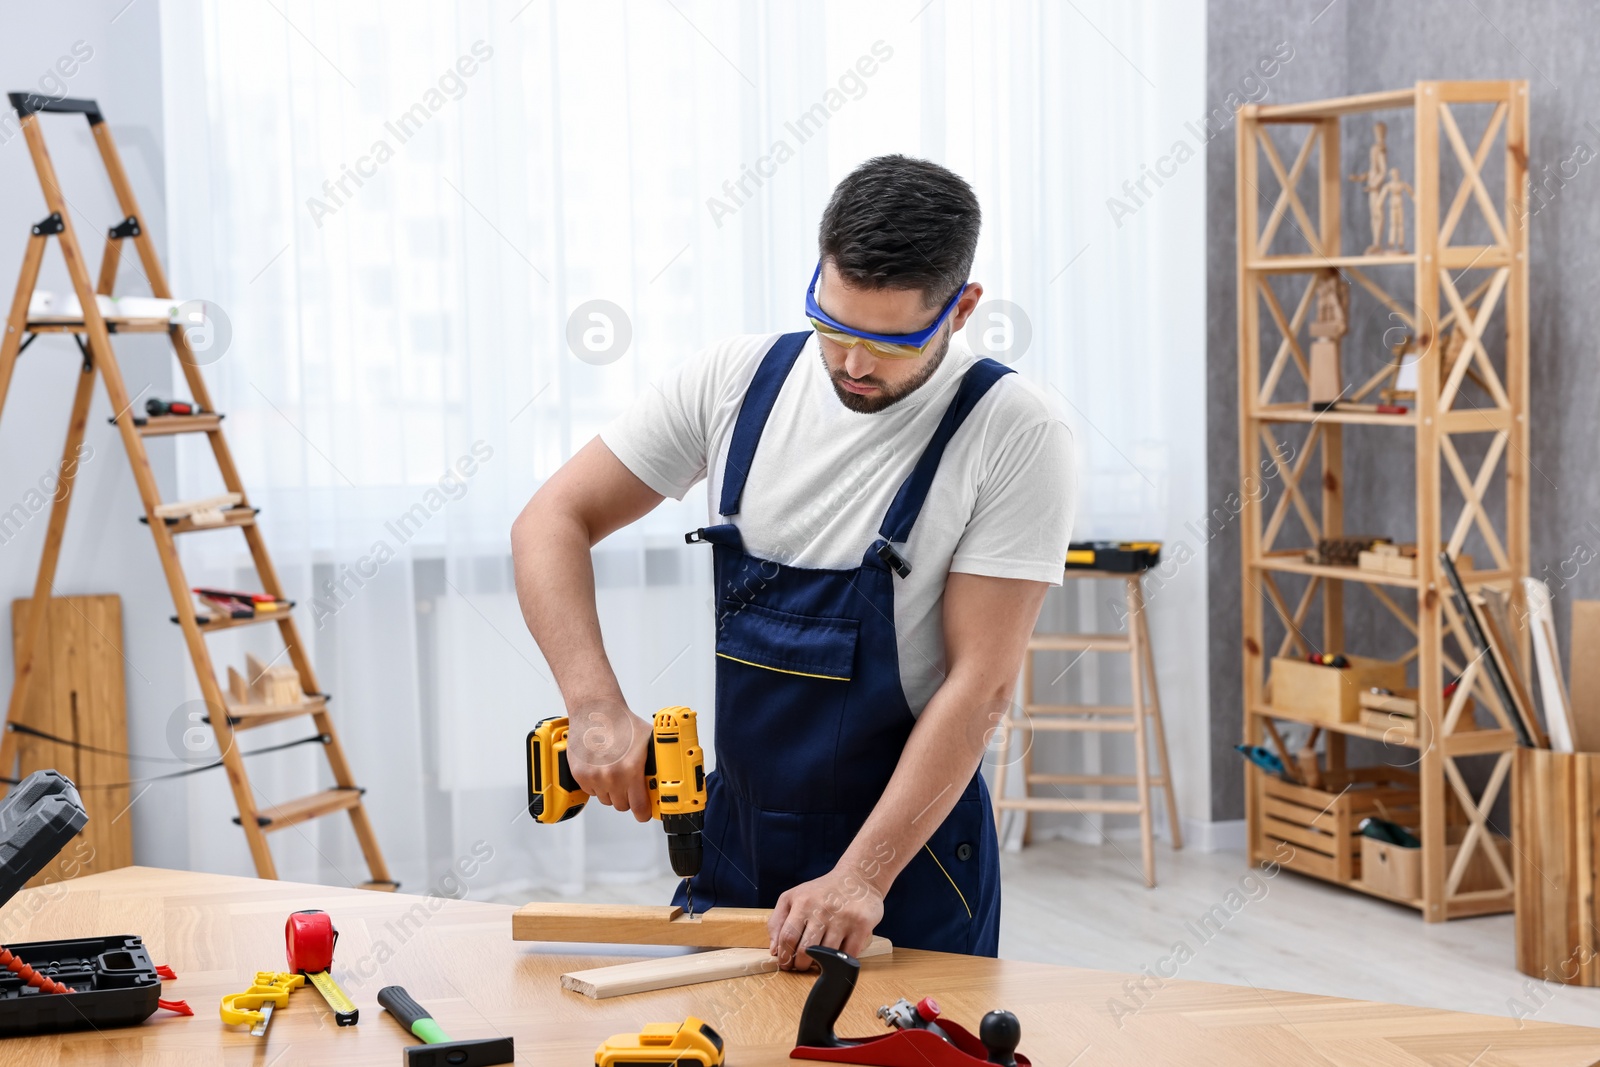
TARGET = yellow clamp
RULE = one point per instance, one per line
(271, 987)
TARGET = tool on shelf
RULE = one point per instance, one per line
(49, 986)
(691, 1043)
(437, 1049)
(254, 1007)
(1266, 759)
(91, 331)
(946, 1044)
(1388, 832)
(675, 773)
(309, 938)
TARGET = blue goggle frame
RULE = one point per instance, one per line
(914, 340)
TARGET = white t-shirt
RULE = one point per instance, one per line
(823, 477)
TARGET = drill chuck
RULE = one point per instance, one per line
(685, 845)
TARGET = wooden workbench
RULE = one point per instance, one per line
(458, 959)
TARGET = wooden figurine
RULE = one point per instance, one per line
(277, 686)
(1395, 191)
(1373, 181)
(1327, 329)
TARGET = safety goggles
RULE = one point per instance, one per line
(882, 345)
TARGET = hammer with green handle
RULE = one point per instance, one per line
(439, 1050)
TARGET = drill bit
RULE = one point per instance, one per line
(688, 894)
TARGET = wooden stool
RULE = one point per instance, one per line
(1095, 718)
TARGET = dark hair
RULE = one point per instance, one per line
(902, 223)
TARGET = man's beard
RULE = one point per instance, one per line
(883, 398)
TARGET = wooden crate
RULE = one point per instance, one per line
(1321, 826)
(1555, 818)
(1398, 712)
(1394, 871)
(1331, 694)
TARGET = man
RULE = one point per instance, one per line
(887, 513)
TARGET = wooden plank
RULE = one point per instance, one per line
(630, 924)
(1584, 689)
(670, 972)
(79, 693)
(1252, 635)
(1342, 105)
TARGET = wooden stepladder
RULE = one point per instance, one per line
(229, 713)
(1141, 718)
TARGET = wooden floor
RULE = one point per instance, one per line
(1086, 906)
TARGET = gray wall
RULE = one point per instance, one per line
(1354, 46)
(106, 549)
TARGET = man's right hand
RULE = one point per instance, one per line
(606, 747)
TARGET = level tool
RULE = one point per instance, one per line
(309, 938)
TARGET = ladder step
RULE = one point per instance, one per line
(166, 425)
(380, 887)
(1078, 643)
(281, 816)
(240, 516)
(113, 325)
(249, 716)
(1093, 779)
(1088, 726)
(217, 623)
(1078, 709)
(1090, 807)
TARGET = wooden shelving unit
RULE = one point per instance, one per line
(1278, 244)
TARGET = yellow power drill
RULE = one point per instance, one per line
(675, 774)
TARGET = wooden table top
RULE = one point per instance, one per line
(457, 958)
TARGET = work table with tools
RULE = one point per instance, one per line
(459, 960)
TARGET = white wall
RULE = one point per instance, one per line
(107, 550)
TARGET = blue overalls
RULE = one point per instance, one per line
(811, 717)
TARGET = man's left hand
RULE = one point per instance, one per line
(839, 910)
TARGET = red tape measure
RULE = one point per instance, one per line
(309, 937)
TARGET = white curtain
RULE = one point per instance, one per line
(406, 213)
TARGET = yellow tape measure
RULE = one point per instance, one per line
(344, 1010)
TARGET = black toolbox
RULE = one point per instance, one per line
(112, 979)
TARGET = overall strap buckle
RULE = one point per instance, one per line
(695, 537)
(894, 560)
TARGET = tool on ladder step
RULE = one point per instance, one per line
(157, 407)
(230, 604)
(438, 1050)
(98, 323)
(309, 938)
(204, 511)
(1121, 557)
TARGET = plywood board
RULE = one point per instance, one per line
(669, 972)
(78, 692)
(1584, 689)
(629, 924)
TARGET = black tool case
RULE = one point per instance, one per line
(112, 978)
(113, 981)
